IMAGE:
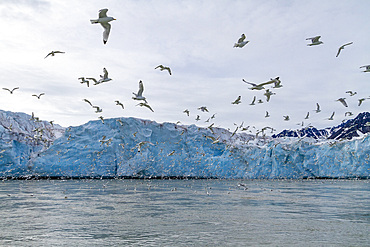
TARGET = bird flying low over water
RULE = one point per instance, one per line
(315, 41)
(342, 47)
(139, 95)
(367, 68)
(104, 21)
(343, 101)
(52, 53)
(38, 96)
(11, 91)
(161, 67)
(241, 43)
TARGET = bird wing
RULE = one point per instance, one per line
(48, 55)
(105, 71)
(350, 43)
(106, 32)
(253, 84)
(6, 89)
(266, 83)
(242, 38)
(103, 13)
(169, 70)
(316, 39)
(159, 66)
(340, 48)
(141, 89)
(90, 78)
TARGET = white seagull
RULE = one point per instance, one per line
(315, 41)
(52, 53)
(237, 101)
(367, 68)
(104, 77)
(241, 41)
(103, 20)
(343, 101)
(161, 67)
(139, 95)
(342, 47)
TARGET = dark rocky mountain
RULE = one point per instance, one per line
(347, 130)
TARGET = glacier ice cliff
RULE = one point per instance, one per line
(130, 147)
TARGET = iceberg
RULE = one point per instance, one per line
(138, 148)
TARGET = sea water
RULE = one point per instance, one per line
(124, 212)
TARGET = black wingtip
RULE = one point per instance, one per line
(104, 41)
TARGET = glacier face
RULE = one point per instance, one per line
(141, 148)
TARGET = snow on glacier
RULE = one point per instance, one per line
(142, 148)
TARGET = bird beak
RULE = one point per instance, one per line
(114, 19)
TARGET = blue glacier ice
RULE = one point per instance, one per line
(131, 147)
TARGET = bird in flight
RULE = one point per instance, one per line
(351, 93)
(332, 116)
(187, 112)
(161, 67)
(104, 77)
(38, 96)
(318, 108)
(360, 101)
(87, 101)
(139, 94)
(119, 103)
(342, 47)
(268, 94)
(52, 53)
(261, 85)
(104, 21)
(237, 101)
(241, 43)
(343, 101)
(315, 41)
(146, 105)
(203, 108)
(83, 80)
(367, 68)
(11, 91)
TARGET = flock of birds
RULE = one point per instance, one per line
(104, 20)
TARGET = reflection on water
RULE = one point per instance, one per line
(184, 212)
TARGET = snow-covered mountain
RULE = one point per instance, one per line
(141, 148)
(347, 130)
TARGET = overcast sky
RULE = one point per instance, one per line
(195, 39)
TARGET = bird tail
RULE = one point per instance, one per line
(94, 21)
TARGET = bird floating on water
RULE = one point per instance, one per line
(104, 21)
(52, 53)
(342, 47)
(161, 67)
(139, 95)
(315, 41)
(11, 91)
(241, 43)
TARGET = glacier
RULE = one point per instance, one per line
(138, 148)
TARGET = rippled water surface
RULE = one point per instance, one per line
(184, 213)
